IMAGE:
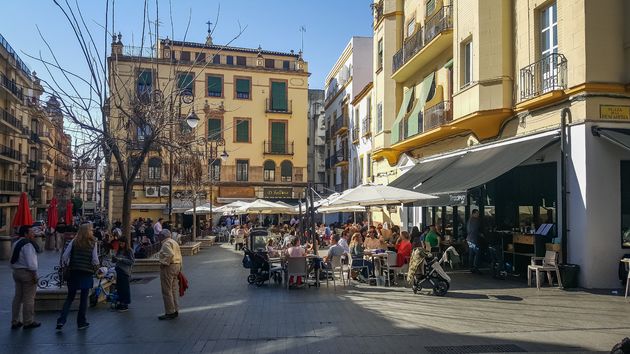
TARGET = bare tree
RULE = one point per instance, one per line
(106, 106)
(190, 174)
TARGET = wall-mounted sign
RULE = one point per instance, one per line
(457, 199)
(278, 193)
(614, 112)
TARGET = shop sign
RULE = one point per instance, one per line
(457, 199)
(614, 112)
(278, 193)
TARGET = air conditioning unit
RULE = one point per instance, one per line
(165, 191)
(151, 192)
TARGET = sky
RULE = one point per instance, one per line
(273, 24)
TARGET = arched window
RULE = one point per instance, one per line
(155, 168)
(286, 171)
(269, 168)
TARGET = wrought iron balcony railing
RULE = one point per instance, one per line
(10, 118)
(340, 123)
(366, 126)
(272, 148)
(272, 107)
(11, 186)
(10, 85)
(547, 74)
(10, 153)
(437, 115)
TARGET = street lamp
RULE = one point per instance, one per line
(192, 120)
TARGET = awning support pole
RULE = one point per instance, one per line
(566, 112)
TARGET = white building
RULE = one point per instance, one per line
(316, 140)
(87, 181)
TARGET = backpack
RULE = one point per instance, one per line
(247, 262)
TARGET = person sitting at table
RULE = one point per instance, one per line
(371, 242)
(432, 239)
(403, 249)
(271, 251)
(295, 251)
(357, 251)
(414, 237)
(335, 250)
(343, 241)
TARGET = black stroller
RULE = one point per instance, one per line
(258, 264)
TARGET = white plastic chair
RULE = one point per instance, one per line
(296, 267)
(337, 266)
(549, 264)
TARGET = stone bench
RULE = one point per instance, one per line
(146, 265)
(190, 248)
(207, 241)
(52, 299)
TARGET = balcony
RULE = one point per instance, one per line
(45, 137)
(271, 148)
(340, 125)
(377, 8)
(10, 119)
(430, 118)
(546, 75)
(10, 186)
(341, 156)
(356, 134)
(12, 87)
(424, 45)
(10, 153)
(18, 61)
(270, 107)
(366, 126)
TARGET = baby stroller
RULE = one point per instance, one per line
(111, 295)
(424, 267)
(258, 265)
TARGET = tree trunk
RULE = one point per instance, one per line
(194, 230)
(126, 211)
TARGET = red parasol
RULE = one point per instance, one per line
(23, 214)
(69, 220)
(53, 214)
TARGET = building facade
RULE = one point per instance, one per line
(316, 140)
(87, 183)
(350, 74)
(518, 109)
(254, 100)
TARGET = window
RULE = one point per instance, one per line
(90, 191)
(369, 165)
(229, 60)
(549, 30)
(242, 86)
(214, 171)
(279, 96)
(242, 61)
(625, 204)
(216, 59)
(379, 117)
(467, 69)
(286, 171)
(242, 170)
(145, 83)
(155, 168)
(241, 131)
(215, 128)
(278, 137)
(286, 65)
(369, 107)
(185, 82)
(143, 132)
(411, 27)
(270, 63)
(430, 8)
(201, 58)
(379, 55)
(184, 56)
(269, 171)
(215, 86)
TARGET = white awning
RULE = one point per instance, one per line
(158, 206)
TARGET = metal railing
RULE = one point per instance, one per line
(10, 118)
(10, 152)
(14, 88)
(272, 148)
(436, 24)
(142, 52)
(11, 186)
(547, 74)
(340, 123)
(378, 11)
(366, 126)
(18, 62)
(437, 116)
(356, 133)
(271, 108)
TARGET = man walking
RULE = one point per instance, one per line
(170, 265)
(473, 241)
(157, 227)
(24, 264)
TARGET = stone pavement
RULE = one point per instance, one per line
(222, 313)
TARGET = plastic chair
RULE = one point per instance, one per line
(549, 264)
(296, 267)
(337, 265)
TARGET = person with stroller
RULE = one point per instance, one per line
(81, 258)
(124, 260)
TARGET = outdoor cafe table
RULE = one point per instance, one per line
(309, 258)
(382, 258)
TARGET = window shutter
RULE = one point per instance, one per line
(279, 96)
(278, 140)
(242, 131)
(242, 86)
(145, 78)
(185, 82)
(215, 86)
(214, 128)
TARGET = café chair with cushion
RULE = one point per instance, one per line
(296, 267)
(548, 264)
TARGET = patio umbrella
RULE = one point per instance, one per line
(341, 209)
(200, 210)
(262, 206)
(229, 208)
(377, 195)
(68, 217)
(53, 214)
(23, 214)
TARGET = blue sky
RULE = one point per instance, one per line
(274, 24)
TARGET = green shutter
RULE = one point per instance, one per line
(185, 82)
(395, 132)
(242, 131)
(279, 96)
(242, 86)
(214, 128)
(413, 123)
(278, 140)
(145, 78)
(215, 86)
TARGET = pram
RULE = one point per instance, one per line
(424, 267)
(111, 296)
(259, 267)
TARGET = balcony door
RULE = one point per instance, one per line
(278, 137)
(549, 48)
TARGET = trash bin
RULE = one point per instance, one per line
(569, 274)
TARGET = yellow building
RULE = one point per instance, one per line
(255, 100)
(479, 94)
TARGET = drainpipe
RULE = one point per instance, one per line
(566, 112)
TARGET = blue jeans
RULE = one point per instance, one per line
(72, 292)
(368, 267)
(473, 255)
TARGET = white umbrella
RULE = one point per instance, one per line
(202, 209)
(262, 206)
(341, 209)
(230, 208)
(376, 194)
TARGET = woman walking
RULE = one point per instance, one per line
(124, 261)
(81, 258)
